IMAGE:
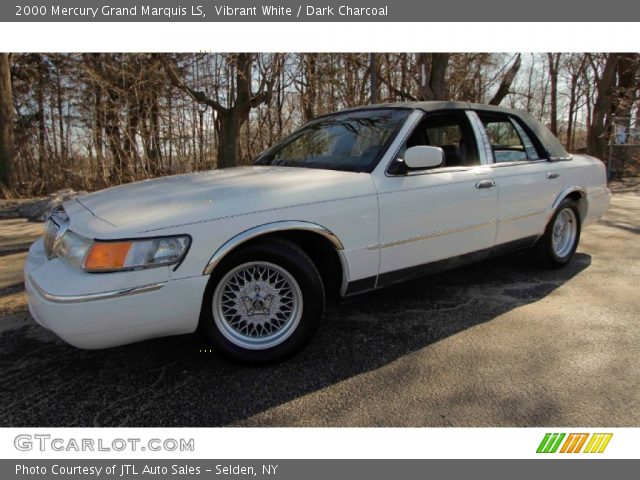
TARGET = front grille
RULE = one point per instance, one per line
(50, 233)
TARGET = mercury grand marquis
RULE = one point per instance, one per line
(351, 202)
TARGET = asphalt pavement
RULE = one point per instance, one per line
(498, 343)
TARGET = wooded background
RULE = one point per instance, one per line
(88, 121)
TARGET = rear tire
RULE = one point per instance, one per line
(263, 303)
(556, 247)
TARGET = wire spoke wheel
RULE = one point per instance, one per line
(257, 305)
(564, 232)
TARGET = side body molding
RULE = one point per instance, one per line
(269, 228)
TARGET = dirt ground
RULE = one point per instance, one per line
(499, 343)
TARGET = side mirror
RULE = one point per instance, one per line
(424, 157)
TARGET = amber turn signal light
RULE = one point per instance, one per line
(107, 255)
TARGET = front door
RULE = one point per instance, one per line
(428, 216)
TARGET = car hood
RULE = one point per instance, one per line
(182, 199)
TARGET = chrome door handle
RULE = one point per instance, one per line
(486, 184)
(552, 175)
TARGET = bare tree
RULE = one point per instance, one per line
(94, 120)
(230, 119)
(373, 75)
(574, 66)
(605, 83)
(627, 88)
(554, 62)
(6, 126)
(308, 83)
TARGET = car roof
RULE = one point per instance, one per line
(435, 105)
(549, 141)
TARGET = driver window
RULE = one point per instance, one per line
(449, 131)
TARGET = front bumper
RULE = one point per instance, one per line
(92, 311)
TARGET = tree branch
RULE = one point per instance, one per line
(197, 95)
(507, 80)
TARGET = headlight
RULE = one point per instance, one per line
(132, 254)
(73, 248)
(100, 256)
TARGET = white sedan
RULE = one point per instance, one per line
(351, 202)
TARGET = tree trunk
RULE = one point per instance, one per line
(200, 156)
(130, 144)
(170, 128)
(432, 69)
(309, 95)
(554, 61)
(40, 116)
(597, 136)
(439, 64)
(156, 156)
(505, 84)
(572, 109)
(120, 169)
(6, 126)
(530, 85)
(228, 131)
(628, 65)
(63, 148)
(373, 78)
(97, 137)
(403, 76)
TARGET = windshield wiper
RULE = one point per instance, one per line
(330, 166)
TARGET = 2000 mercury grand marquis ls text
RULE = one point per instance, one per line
(351, 202)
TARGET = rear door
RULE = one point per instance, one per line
(527, 183)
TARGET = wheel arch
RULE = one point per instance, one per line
(579, 194)
(318, 242)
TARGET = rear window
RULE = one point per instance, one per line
(509, 140)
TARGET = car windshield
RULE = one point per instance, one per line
(352, 141)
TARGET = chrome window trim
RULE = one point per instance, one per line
(432, 171)
(525, 138)
(482, 137)
(407, 130)
(515, 163)
(90, 297)
(412, 121)
(485, 153)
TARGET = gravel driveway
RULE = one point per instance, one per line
(499, 343)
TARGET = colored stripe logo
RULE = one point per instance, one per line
(574, 443)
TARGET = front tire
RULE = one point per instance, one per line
(263, 303)
(556, 247)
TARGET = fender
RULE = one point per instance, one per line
(563, 194)
(254, 232)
